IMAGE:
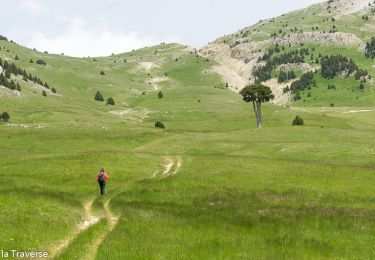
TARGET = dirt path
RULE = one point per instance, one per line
(112, 220)
(89, 220)
(171, 167)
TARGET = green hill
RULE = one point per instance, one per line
(210, 185)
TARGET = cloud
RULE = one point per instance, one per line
(78, 39)
(33, 7)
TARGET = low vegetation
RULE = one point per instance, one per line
(159, 124)
(298, 121)
(4, 117)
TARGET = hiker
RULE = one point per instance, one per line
(102, 178)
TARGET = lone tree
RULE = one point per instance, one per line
(99, 97)
(160, 94)
(258, 94)
(5, 116)
(298, 121)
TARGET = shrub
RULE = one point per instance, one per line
(16, 58)
(332, 105)
(110, 101)
(159, 124)
(44, 93)
(99, 97)
(160, 94)
(102, 73)
(41, 62)
(298, 121)
(31, 61)
(5, 117)
(53, 90)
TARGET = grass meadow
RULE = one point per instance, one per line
(240, 192)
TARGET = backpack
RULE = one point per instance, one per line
(101, 177)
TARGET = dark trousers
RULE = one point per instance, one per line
(102, 187)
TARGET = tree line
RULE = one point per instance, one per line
(263, 73)
(333, 66)
(370, 48)
(6, 81)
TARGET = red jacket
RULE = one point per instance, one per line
(106, 177)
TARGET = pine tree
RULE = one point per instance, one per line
(5, 116)
(282, 77)
(99, 97)
(110, 101)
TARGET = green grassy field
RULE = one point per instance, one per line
(209, 186)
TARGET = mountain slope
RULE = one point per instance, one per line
(327, 28)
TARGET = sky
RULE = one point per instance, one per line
(100, 28)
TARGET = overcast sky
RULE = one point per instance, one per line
(98, 28)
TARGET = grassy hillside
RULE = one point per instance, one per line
(209, 186)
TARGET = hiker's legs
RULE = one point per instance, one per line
(102, 188)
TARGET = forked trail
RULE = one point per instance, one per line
(112, 220)
(170, 168)
(89, 220)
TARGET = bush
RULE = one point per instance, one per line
(159, 124)
(298, 121)
(160, 94)
(41, 62)
(16, 58)
(44, 93)
(53, 90)
(99, 97)
(110, 101)
(102, 73)
(5, 117)
(31, 61)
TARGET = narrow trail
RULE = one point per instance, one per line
(112, 221)
(89, 220)
(171, 167)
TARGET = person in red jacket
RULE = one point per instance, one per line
(102, 178)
